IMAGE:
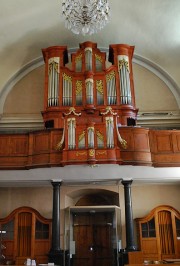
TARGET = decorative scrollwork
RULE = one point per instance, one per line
(91, 152)
(78, 86)
(99, 58)
(81, 136)
(110, 76)
(125, 63)
(66, 77)
(72, 111)
(78, 153)
(100, 135)
(78, 58)
(99, 86)
(108, 110)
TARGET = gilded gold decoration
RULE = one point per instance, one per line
(91, 152)
(71, 120)
(99, 58)
(123, 143)
(80, 153)
(72, 111)
(59, 146)
(66, 77)
(81, 136)
(110, 76)
(90, 128)
(60, 143)
(88, 49)
(101, 152)
(125, 63)
(78, 86)
(54, 65)
(89, 80)
(99, 86)
(78, 58)
(108, 110)
(100, 135)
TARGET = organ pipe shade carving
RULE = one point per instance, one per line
(122, 141)
(100, 92)
(78, 62)
(60, 144)
(81, 140)
(71, 124)
(124, 77)
(90, 131)
(53, 81)
(78, 92)
(67, 90)
(100, 139)
(111, 88)
(99, 62)
(88, 58)
(89, 91)
(110, 131)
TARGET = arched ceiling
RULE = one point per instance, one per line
(28, 26)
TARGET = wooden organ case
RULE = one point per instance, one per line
(159, 234)
(27, 235)
(89, 102)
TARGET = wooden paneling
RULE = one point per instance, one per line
(135, 257)
(165, 147)
(138, 148)
(39, 149)
(164, 244)
(22, 231)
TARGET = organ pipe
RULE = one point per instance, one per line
(71, 133)
(124, 71)
(88, 58)
(53, 81)
(110, 132)
(89, 91)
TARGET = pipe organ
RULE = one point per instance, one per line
(89, 101)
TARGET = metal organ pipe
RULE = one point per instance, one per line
(89, 91)
(53, 81)
(123, 65)
(90, 137)
(110, 132)
(71, 133)
(88, 58)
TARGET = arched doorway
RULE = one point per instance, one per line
(93, 231)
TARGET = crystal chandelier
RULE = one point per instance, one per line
(85, 16)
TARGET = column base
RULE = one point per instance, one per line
(131, 248)
(57, 257)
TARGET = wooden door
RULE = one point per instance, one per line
(93, 240)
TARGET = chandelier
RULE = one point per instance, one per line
(85, 16)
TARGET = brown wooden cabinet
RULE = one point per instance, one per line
(28, 235)
(159, 234)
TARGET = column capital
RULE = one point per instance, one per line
(126, 182)
(56, 183)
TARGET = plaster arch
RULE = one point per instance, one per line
(144, 62)
(73, 197)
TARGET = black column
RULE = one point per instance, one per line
(130, 245)
(56, 254)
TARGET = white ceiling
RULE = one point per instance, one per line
(27, 26)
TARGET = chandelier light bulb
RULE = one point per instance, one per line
(85, 16)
